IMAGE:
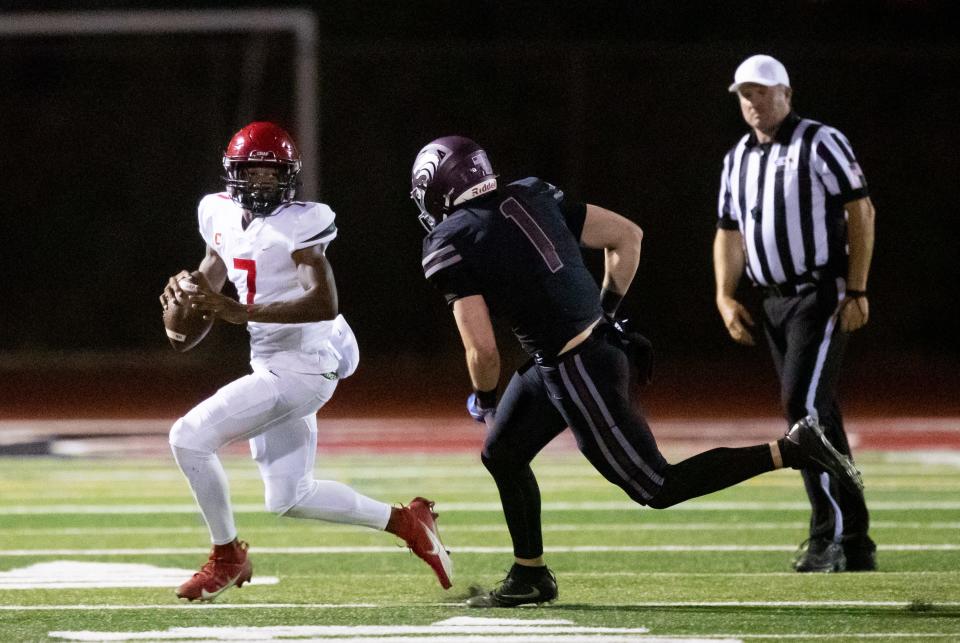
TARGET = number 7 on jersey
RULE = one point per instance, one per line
(250, 267)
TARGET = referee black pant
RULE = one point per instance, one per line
(807, 346)
(589, 390)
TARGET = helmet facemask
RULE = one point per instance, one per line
(262, 164)
(261, 186)
(419, 196)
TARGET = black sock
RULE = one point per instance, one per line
(526, 573)
(789, 453)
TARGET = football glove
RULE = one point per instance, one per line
(482, 406)
(638, 349)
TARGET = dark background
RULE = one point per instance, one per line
(109, 142)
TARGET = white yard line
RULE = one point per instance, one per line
(187, 508)
(846, 635)
(584, 549)
(475, 528)
(333, 606)
(546, 469)
(646, 574)
(456, 637)
(203, 606)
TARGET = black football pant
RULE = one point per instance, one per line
(588, 389)
(807, 346)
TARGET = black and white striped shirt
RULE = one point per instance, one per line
(786, 198)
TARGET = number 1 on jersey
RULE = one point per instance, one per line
(514, 210)
(250, 266)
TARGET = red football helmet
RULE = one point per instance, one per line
(261, 145)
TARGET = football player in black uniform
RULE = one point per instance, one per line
(514, 251)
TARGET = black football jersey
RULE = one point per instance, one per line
(520, 249)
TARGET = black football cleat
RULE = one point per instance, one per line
(861, 555)
(816, 450)
(514, 592)
(819, 555)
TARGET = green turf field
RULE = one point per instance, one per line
(716, 567)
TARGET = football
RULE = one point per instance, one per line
(184, 325)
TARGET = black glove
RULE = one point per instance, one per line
(638, 349)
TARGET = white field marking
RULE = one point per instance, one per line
(589, 505)
(576, 549)
(886, 574)
(366, 472)
(907, 575)
(847, 635)
(463, 488)
(947, 459)
(71, 574)
(801, 604)
(7, 532)
(929, 458)
(477, 528)
(464, 627)
(454, 637)
(201, 606)
(75, 607)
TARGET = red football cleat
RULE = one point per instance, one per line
(227, 566)
(418, 528)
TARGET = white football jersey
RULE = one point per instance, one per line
(260, 266)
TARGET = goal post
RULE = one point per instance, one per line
(300, 23)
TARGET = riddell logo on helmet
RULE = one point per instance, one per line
(480, 188)
(483, 188)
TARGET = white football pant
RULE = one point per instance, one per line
(275, 410)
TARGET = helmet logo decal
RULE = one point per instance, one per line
(427, 164)
(480, 188)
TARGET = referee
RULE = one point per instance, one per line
(795, 214)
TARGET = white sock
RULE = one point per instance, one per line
(336, 502)
(209, 483)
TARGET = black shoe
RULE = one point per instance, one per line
(820, 555)
(513, 591)
(861, 555)
(818, 453)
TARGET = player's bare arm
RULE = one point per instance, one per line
(213, 270)
(860, 231)
(317, 303)
(479, 341)
(728, 265)
(620, 239)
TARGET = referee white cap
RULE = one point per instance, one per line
(760, 69)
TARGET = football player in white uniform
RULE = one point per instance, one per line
(272, 249)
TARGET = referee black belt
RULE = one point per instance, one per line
(800, 286)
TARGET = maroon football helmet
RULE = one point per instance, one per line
(447, 172)
(261, 145)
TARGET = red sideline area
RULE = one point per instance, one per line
(395, 406)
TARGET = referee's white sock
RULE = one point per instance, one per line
(210, 487)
